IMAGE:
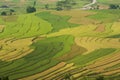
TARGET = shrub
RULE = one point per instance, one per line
(47, 6)
(11, 11)
(4, 78)
(65, 5)
(59, 8)
(3, 13)
(100, 78)
(113, 6)
(31, 9)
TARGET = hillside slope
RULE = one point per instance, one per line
(50, 45)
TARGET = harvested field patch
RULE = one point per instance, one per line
(113, 67)
(92, 43)
(19, 46)
(77, 16)
(2, 28)
(85, 30)
(100, 28)
(111, 72)
(10, 18)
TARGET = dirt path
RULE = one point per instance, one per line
(88, 6)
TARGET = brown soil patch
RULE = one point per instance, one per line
(100, 28)
(10, 18)
(102, 6)
(75, 51)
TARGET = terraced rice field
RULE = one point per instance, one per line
(55, 45)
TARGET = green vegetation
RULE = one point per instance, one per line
(20, 5)
(93, 78)
(38, 42)
(68, 41)
(46, 6)
(114, 67)
(109, 1)
(106, 16)
(4, 78)
(3, 13)
(26, 26)
(68, 76)
(65, 5)
(31, 25)
(84, 59)
(113, 6)
(114, 36)
(38, 60)
(30, 9)
(57, 22)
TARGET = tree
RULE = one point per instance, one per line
(30, 9)
(65, 5)
(47, 6)
(60, 5)
(97, 7)
(68, 76)
(4, 78)
(34, 3)
(11, 11)
(3, 13)
(68, 7)
(100, 78)
(113, 6)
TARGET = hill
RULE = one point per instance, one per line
(51, 45)
(60, 45)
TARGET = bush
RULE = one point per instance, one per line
(4, 78)
(31, 9)
(112, 6)
(59, 8)
(47, 6)
(68, 76)
(100, 78)
(3, 13)
(11, 11)
(65, 5)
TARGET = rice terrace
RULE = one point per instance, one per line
(59, 39)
